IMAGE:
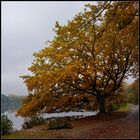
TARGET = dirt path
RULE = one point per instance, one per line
(121, 125)
(134, 113)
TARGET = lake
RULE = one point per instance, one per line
(18, 121)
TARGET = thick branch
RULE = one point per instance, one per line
(77, 88)
(115, 87)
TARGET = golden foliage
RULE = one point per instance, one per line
(92, 54)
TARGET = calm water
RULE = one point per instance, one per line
(18, 121)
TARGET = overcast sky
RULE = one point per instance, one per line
(25, 28)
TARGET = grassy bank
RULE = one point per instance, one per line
(125, 108)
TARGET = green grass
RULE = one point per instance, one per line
(14, 135)
(22, 135)
(124, 108)
(27, 134)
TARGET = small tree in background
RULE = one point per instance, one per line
(132, 92)
(6, 125)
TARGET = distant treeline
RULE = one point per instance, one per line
(11, 102)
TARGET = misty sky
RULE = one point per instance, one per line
(25, 28)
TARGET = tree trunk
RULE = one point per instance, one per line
(101, 101)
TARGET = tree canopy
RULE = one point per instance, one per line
(86, 62)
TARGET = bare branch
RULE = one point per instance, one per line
(96, 16)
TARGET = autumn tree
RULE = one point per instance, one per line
(86, 62)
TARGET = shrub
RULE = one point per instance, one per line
(114, 102)
(133, 98)
(33, 121)
(114, 107)
(6, 125)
